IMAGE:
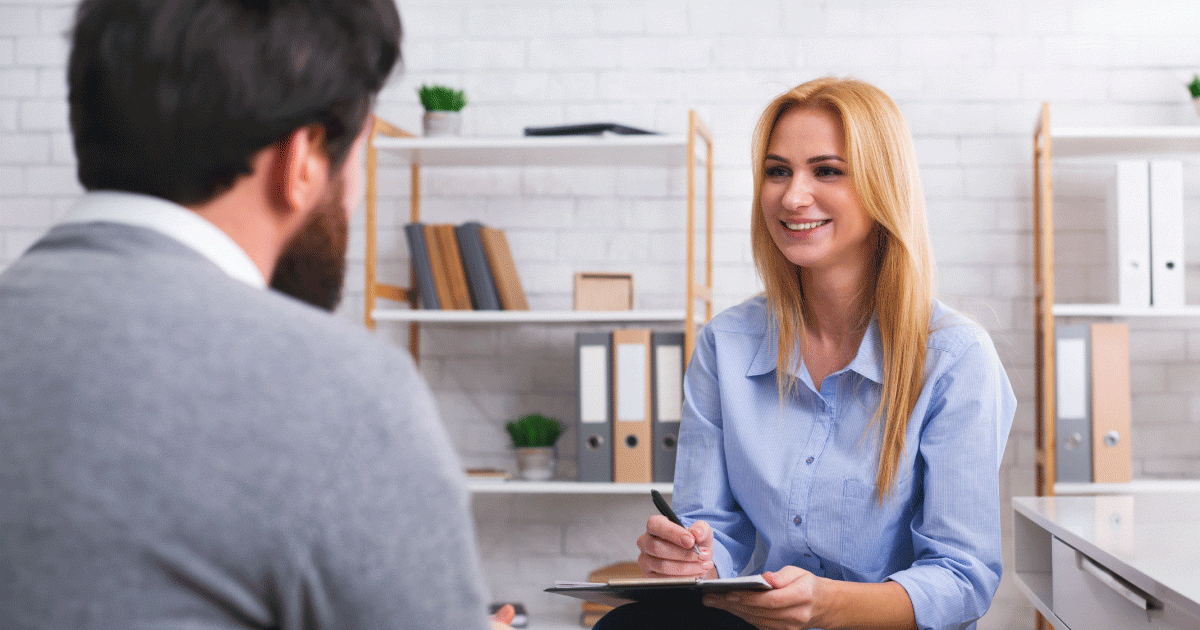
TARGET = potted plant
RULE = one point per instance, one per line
(1194, 88)
(533, 436)
(443, 109)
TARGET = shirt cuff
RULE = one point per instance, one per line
(934, 600)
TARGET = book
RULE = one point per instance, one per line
(441, 283)
(619, 591)
(422, 268)
(504, 271)
(587, 129)
(456, 276)
(591, 612)
(479, 275)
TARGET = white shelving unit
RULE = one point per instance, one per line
(397, 146)
(1092, 143)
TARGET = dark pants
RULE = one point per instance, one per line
(645, 616)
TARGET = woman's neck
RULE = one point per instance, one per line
(837, 302)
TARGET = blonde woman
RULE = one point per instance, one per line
(843, 431)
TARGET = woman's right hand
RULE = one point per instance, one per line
(667, 549)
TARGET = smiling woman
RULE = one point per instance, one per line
(841, 433)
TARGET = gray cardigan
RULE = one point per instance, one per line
(180, 450)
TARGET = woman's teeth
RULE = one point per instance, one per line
(805, 226)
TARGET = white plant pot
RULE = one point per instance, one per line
(536, 463)
(1196, 102)
(442, 123)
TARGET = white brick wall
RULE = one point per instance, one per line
(970, 77)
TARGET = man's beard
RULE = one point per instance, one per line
(312, 266)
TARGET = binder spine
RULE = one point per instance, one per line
(1166, 233)
(1129, 231)
(1112, 455)
(632, 432)
(593, 360)
(666, 401)
(1073, 425)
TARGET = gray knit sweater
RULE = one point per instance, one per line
(180, 450)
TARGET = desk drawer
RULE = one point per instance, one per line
(1088, 596)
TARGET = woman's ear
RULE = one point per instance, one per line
(301, 170)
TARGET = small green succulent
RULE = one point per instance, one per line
(439, 98)
(1194, 86)
(534, 429)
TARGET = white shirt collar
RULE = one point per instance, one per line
(172, 220)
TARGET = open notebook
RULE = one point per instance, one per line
(683, 590)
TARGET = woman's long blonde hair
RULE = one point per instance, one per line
(883, 171)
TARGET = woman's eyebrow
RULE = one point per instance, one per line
(823, 158)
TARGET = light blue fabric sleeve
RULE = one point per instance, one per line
(956, 529)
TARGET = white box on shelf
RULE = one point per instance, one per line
(1129, 231)
(1166, 233)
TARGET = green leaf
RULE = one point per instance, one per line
(534, 429)
(439, 98)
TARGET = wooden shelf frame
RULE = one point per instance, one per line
(696, 146)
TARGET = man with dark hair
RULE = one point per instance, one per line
(181, 447)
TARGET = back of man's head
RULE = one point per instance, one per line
(172, 98)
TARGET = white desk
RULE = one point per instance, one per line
(1110, 561)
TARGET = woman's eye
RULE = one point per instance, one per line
(827, 171)
(777, 171)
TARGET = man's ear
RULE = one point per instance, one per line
(301, 170)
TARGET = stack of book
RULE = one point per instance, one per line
(591, 611)
(463, 267)
(630, 405)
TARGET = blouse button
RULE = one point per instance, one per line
(809, 460)
(796, 520)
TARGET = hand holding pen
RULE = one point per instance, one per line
(668, 549)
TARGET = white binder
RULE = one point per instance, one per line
(1166, 233)
(1129, 231)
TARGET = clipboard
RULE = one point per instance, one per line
(617, 592)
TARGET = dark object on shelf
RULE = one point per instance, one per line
(587, 129)
(520, 620)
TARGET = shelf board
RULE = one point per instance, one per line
(615, 150)
(1115, 141)
(432, 316)
(1137, 485)
(1038, 589)
(1120, 310)
(488, 486)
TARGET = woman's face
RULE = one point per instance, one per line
(809, 204)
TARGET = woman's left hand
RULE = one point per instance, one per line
(792, 605)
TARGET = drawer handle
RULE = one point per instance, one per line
(1129, 592)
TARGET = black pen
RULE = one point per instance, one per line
(665, 509)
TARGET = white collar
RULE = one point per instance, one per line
(172, 220)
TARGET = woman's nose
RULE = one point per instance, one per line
(798, 195)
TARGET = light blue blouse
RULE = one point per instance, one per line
(792, 481)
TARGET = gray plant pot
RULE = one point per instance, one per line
(536, 463)
(442, 123)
